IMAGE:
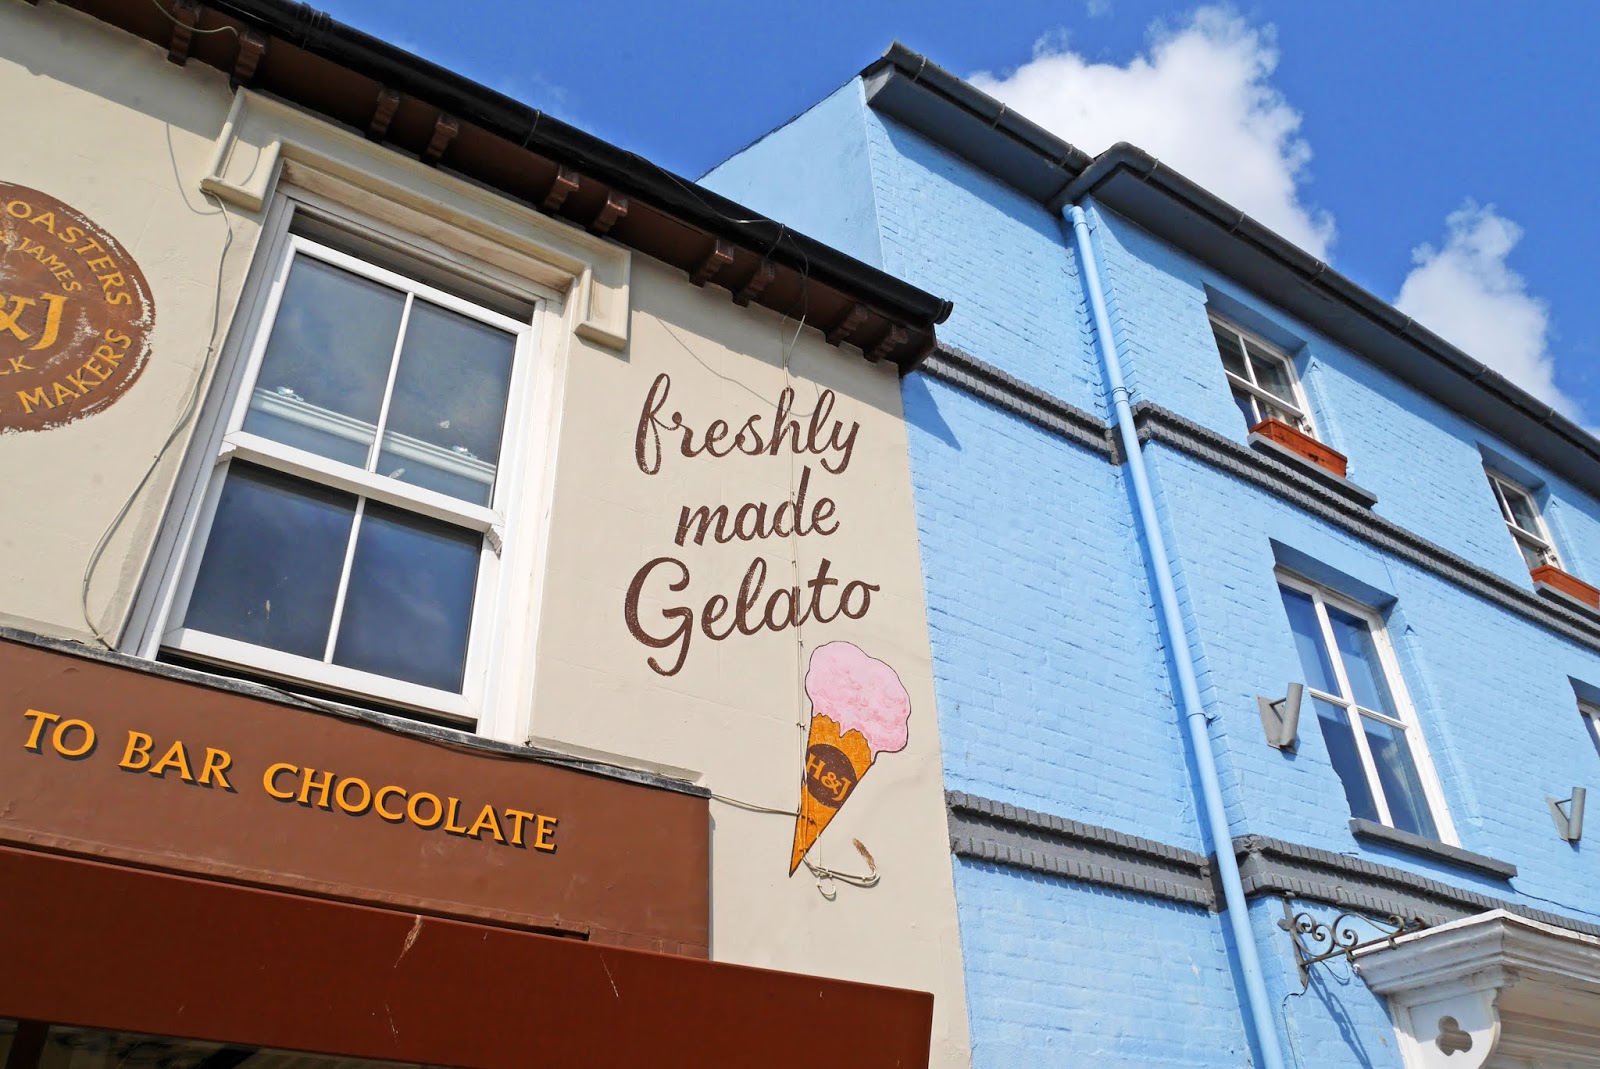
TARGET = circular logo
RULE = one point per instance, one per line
(75, 313)
(829, 774)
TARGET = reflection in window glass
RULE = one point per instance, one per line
(408, 605)
(1308, 640)
(1360, 655)
(1272, 373)
(1397, 771)
(1354, 688)
(322, 379)
(1260, 378)
(1346, 758)
(445, 420)
(270, 574)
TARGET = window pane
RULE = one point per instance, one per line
(1341, 741)
(409, 603)
(1592, 720)
(271, 567)
(1232, 354)
(449, 405)
(1523, 513)
(1397, 774)
(1532, 555)
(1308, 640)
(323, 375)
(1272, 374)
(1359, 650)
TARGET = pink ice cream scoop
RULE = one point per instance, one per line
(861, 693)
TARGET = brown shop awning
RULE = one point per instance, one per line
(111, 947)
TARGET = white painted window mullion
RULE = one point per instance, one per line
(344, 580)
(388, 387)
(1348, 704)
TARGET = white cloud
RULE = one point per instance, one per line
(1098, 9)
(1466, 293)
(1200, 99)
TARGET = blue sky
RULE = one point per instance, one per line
(1444, 155)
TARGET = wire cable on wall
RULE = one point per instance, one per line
(186, 414)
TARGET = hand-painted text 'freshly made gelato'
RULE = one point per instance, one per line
(662, 431)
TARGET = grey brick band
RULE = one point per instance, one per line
(1346, 510)
(983, 829)
(1168, 428)
(1274, 867)
(986, 830)
(986, 382)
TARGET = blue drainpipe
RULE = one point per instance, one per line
(1258, 1017)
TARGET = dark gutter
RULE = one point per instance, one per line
(1006, 144)
(321, 35)
(961, 119)
(1125, 163)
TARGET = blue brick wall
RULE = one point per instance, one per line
(1422, 460)
(1333, 1019)
(1054, 689)
(957, 232)
(1052, 694)
(1490, 688)
(1065, 975)
(813, 174)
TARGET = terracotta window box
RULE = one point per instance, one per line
(1556, 579)
(1302, 444)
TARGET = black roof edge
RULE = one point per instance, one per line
(1124, 158)
(1008, 145)
(320, 34)
(958, 102)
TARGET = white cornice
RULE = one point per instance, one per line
(1511, 986)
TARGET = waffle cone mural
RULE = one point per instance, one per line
(859, 709)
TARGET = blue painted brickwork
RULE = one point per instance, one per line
(1054, 692)
(812, 173)
(936, 222)
(1065, 975)
(1030, 562)
(1491, 690)
(1422, 460)
(1334, 1020)
(1002, 258)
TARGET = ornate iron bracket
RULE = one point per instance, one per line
(1316, 941)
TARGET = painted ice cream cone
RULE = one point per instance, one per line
(859, 709)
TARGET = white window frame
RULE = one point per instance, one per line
(509, 523)
(1539, 541)
(1298, 410)
(1432, 789)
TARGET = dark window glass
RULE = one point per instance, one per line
(449, 407)
(1341, 742)
(408, 608)
(326, 367)
(271, 567)
(1308, 641)
(1397, 774)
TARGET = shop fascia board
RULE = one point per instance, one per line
(979, 129)
(265, 141)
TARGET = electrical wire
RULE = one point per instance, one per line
(192, 29)
(185, 415)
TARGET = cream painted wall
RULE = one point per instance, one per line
(736, 715)
(103, 122)
(123, 136)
